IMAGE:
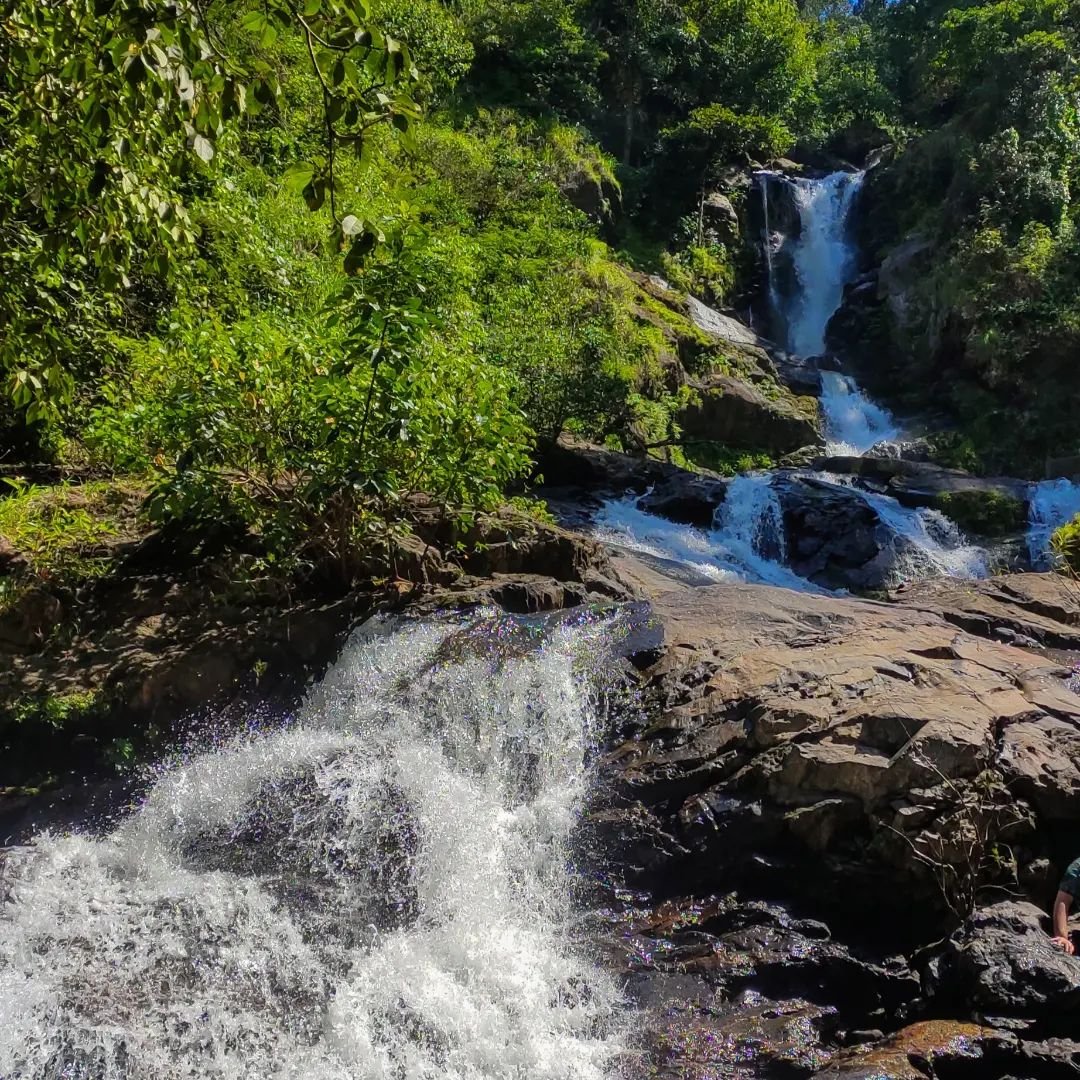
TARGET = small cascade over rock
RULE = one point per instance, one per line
(382, 889)
(926, 543)
(745, 543)
(1052, 503)
(853, 423)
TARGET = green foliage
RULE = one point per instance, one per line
(706, 272)
(989, 183)
(709, 138)
(315, 449)
(984, 513)
(110, 116)
(535, 55)
(722, 459)
(1065, 544)
(61, 533)
(55, 710)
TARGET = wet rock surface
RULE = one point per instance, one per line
(849, 769)
(737, 413)
(922, 483)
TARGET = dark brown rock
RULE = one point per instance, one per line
(865, 732)
(922, 483)
(1042, 608)
(915, 1053)
(1003, 962)
(738, 414)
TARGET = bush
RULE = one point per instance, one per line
(1065, 545)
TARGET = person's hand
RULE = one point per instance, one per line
(1064, 944)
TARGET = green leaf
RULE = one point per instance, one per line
(298, 176)
(254, 22)
(203, 147)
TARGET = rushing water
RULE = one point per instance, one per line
(746, 542)
(853, 423)
(1053, 503)
(825, 260)
(926, 543)
(381, 890)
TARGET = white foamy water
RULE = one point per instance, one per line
(853, 423)
(928, 544)
(1053, 503)
(379, 892)
(746, 542)
(824, 258)
(825, 261)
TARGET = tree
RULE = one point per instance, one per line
(109, 118)
(644, 41)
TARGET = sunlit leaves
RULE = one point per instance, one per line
(107, 110)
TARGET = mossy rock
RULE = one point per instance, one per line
(985, 511)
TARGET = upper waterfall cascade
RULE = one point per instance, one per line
(824, 260)
(381, 890)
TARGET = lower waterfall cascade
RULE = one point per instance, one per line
(381, 889)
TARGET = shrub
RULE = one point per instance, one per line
(1065, 545)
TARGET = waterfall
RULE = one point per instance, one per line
(926, 543)
(824, 258)
(1052, 503)
(746, 542)
(853, 423)
(379, 890)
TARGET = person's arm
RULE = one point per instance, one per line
(1062, 903)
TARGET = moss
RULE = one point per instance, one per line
(986, 512)
(722, 459)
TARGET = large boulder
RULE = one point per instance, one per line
(686, 497)
(1001, 962)
(740, 414)
(834, 536)
(860, 738)
(722, 327)
(986, 505)
(721, 219)
(574, 463)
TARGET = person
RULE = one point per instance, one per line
(1067, 892)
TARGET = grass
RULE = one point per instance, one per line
(64, 534)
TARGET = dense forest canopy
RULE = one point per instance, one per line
(289, 263)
